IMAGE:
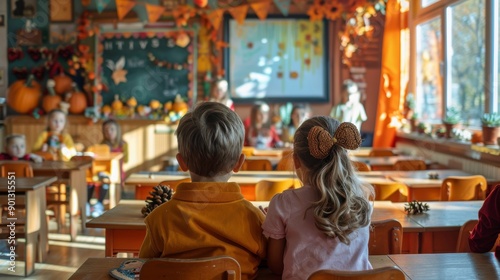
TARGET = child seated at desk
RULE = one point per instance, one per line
(209, 216)
(54, 140)
(259, 132)
(15, 149)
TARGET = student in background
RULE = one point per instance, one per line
(54, 140)
(350, 108)
(220, 94)
(112, 137)
(15, 149)
(259, 132)
(485, 233)
(209, 216)
(299, 114)
(325, 224)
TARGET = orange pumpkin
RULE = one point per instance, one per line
(23, 95)
(63, 85)
(179, 105)
(77, 101)
(52, 100)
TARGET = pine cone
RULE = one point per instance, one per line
(416, 207)
(159, 195)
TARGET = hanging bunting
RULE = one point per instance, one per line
(239, 13)
(283, 6)
(154, 12)
(261, 9)
(123, 7)
(215, 17)
(101, 5)
(213, 4)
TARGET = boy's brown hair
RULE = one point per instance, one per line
(210, 139)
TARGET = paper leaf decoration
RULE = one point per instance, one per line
(123, 7)
(215, 18)
(261, 9)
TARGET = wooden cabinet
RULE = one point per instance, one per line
(148, 140)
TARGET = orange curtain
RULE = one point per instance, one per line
(390, 93)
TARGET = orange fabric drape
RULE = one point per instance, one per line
(389, 100)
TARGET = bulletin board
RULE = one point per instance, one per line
(147, 64)
(277, 59)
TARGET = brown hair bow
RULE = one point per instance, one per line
(321, 142)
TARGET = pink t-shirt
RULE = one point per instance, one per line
(308, 249)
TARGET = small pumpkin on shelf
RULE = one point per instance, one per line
(63, 84)
(77, 101)
(23, 95)
(52, 100)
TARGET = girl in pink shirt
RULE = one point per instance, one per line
(324, 224)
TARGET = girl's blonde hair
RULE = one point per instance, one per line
(320, 144)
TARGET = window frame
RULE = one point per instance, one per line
(442, 10)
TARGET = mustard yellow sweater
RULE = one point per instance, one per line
(207, 219)
(62, 154)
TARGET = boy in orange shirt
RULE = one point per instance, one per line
(208, 217)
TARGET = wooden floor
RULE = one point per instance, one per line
(64, 256)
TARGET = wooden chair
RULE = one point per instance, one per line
(286, 163)
(219, 267)
(99, 149)
(142, 190)
(256, 165)
(382, 273)
(463, 236)
(393, 191)
(381, 153)
(361, 166)
(265, 189)
(20, 168)
(386, 237)
(462, 188)
(410, 165)
(247, 151)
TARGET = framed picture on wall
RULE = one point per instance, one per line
(62, 33)
(61, 10)
(2, 20)
(2, 76)
(277, 60)
(23, 8)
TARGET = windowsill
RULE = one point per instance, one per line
(484, 154)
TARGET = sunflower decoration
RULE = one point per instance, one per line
(333, 10)
(315, 11)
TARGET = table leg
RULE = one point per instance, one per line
(78, 199)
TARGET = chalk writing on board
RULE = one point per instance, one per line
(128, 70)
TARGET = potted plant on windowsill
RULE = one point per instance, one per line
(413, 122)
(451, 120)
(491, 128)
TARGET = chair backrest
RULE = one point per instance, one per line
(410, 165)
(463, 236)
(393, 191)
(286, 163)
(100, 149)
(247, 151)
(257, 165)
(214, 268)
(361, 166)
(386, 237)
(457, 188)
(381, 273)
(381, 153)
(142, 190)
(265, 189)
(21, 169)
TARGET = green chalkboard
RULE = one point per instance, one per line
(148, 65)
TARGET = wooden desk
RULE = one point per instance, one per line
(385, 163)
(112, 165)
(98, 268)
(448, 266)
(125, 228)
(442, 223)
(73, 173)
(30, 195)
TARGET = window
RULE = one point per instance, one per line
(466, 55)
(429, 89)
(455, 52)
